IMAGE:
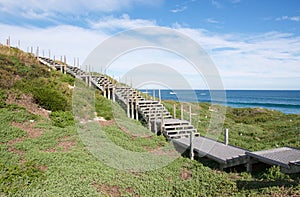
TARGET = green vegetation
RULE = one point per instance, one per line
(103, 107)
(42, 156)
(249, 128)
(62, 118)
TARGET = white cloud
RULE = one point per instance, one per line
(124, 22)
(34, 9)
(289, 18)
(211, 20)
(262, 61)
(179, 9)
(216, 3)
(74, 42)
(269, 56)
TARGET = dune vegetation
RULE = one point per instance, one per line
(41, 153)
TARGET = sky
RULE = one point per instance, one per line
(254, 44)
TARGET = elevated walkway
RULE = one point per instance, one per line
(160, 121)
(225, 155)
(286, 157)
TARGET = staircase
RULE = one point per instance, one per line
(152, 112)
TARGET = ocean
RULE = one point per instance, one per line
(286, 101)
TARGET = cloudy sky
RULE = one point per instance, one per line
(255, 44)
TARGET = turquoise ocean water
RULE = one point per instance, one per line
(286, 101)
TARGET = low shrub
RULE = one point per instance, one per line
(103, 107)
(274, 174)
(62, 118)
(14, 178)
(49, 99)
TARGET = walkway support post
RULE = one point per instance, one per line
(149, 120)
(108, 90)
(104, 91)
(132, 106)
(113, 93)
(136, 108)
(128, 110)
(155, 120)
(162, 121)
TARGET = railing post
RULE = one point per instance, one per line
(174, 110)
(37, 52)
(181, 111)
(192, 145)
(226, 137)
(159, 96)
(190, 111)
(65, 65)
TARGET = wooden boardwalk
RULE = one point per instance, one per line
(225, 155)
(179, 131)
(287, 158)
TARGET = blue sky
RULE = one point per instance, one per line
(255, 44)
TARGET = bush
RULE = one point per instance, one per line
(49, 99)
(16, 177)
(274, 174)
(47, 93)
(103, 107)
(62, 119)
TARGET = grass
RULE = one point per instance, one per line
(249, 128)
(59, 163)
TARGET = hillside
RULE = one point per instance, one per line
(41, 153)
